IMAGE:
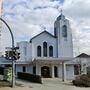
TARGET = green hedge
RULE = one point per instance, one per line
(29, 77)
(8, 74)
(1, 71)
(88, 74)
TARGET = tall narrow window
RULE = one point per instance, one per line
(64, 31)
(24, 69)
(45, 49)
(39, 51)
(51, 51)
(34, 70)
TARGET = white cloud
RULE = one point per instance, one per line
(79, 13)
(26, 16)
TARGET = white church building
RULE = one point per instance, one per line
(48, 55)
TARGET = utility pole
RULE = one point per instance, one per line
(13, 61)
(0, 22)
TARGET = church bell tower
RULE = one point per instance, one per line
(63, 34)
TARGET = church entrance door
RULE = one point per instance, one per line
(45, 71)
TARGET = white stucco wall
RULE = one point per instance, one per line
(18, 68)
(69, 71)
(31, 48)
(29, 68)
(44, 37)
(64, 44)
(25, 49)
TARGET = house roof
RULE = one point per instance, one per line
(42, 33)
(84, 55)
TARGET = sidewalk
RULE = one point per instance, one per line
(48, 84)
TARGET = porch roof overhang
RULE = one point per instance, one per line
(52, 60)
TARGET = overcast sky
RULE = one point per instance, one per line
(28, 17)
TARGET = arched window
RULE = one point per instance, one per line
(45, 49)
(39, 51)
(51, 51)
(64, 31)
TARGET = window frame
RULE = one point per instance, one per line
(64, 31)
(50, 51)
(39, 51)
(45, 49)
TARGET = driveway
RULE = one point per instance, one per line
(48, 84)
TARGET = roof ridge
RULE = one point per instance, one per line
(83, 55)
(40, 34)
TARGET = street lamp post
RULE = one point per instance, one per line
(13, 64)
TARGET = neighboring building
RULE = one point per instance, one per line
(82, 65)
(48, 55)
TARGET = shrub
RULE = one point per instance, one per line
(30, 77)
(1, 71)
(88, 74)
(82, 80)
(77, 82)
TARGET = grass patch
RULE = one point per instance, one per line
(8, 84)
(5, 84)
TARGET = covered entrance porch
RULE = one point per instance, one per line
(46, 71)
(51, 67)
